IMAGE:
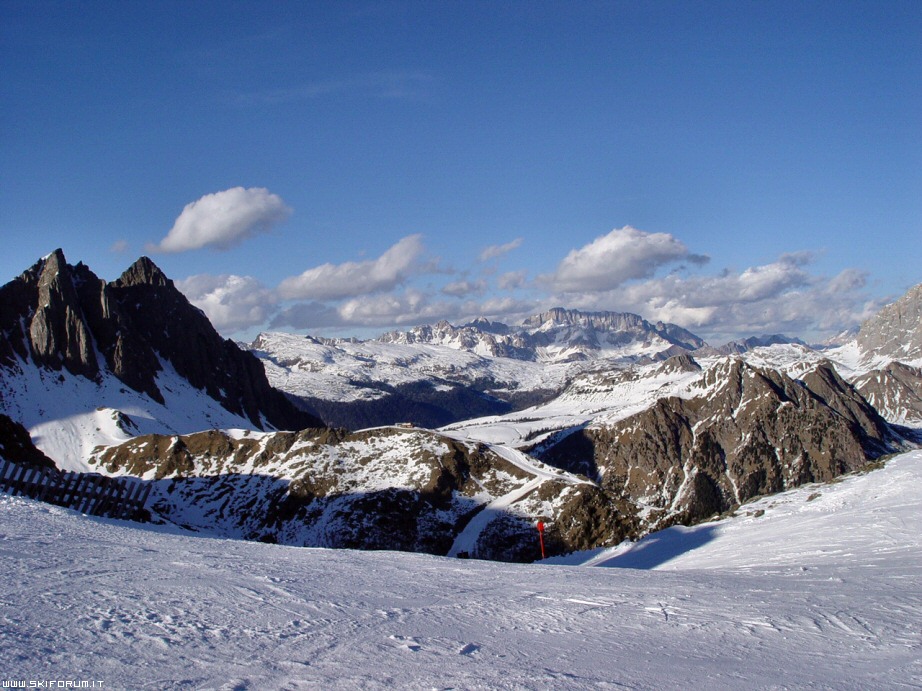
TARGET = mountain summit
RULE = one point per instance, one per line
(57, 317)
(895, 333)
(558, 335)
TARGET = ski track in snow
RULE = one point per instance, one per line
(466, 540)
(821, 593)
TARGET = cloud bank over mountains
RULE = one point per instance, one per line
(352, 279)
(655, 275)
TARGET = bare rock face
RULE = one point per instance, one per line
(753, 431)
(41, 318)
(895, 391)
(410, 490)
(16, 446)
(896, 331)
(64, 317)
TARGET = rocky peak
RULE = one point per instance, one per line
(895, 391)
(750, 431)
(896, 331)
(748, 344)
(41, 318)
(679, 363)
(611, 327)
(66, 317)
(144, 272)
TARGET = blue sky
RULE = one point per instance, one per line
(349, 167)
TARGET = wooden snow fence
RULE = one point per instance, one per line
(89, 493)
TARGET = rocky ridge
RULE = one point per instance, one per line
(894, 333)
(59, 317)
(398, 489)
(748, 431)
(557, 335)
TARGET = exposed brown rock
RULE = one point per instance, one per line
(755, 432)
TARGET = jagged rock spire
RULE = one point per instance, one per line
(58, 333)
(144, 272)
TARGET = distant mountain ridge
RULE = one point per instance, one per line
(557, 335)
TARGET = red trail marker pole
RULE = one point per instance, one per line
(541, 537)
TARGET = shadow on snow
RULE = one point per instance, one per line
(658, 548)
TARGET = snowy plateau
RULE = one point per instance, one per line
(745, 516)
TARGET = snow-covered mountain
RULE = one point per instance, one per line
(558, 335)
(602, 426)
(84, 362)
(437, 374)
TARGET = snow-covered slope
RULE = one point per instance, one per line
(347, 370)
(387, 488)
(442, 373)
(796, 530)
(822, 592)
(69, 415)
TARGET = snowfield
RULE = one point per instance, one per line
(817, 588)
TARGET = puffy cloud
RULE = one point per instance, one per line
(611, 260)
(462, 289)
(494, 251)
(780, 297)
(351, 279)
(232, 303)
(512, 280)
(410, 307)
(224, 219)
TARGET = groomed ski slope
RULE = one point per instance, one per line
(821, 593)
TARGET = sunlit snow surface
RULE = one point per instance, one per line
(817, 588)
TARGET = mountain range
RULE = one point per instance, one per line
(603, 426)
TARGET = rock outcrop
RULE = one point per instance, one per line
(410, 490)
(750, 432)
(895, 333)
(895, 391)
(62, 317)
(16, 446)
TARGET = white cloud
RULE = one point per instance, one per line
(512, 280)
(337, 281)
(224, 219)
(780, 297)
(616, 272)
(462, 289)
(410, 307)
(494, 251)
(611, 260)
(232, 303)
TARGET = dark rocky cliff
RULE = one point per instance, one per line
(751, 432)
(63, 317)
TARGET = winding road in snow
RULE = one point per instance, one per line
(467, 539)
